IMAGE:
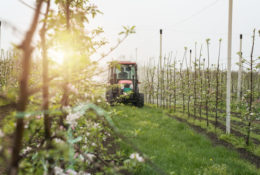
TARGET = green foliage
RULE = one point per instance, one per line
(82, 138)
(127, 30)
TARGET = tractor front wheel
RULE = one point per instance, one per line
(109, 97)
(139, 100)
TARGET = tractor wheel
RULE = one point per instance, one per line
(109, 97)
(140, 100)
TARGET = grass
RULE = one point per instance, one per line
(236, 141)
(222, 118)
(174, 147)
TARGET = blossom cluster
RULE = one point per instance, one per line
(60, 171)
(137, 157)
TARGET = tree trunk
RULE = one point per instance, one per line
(23, 95)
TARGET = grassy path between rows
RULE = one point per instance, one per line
(174, 147)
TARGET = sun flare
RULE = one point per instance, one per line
(57, 55)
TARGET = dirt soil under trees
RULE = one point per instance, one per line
(223, 128)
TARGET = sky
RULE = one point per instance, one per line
(184, 22)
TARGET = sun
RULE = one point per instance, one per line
(57, 55)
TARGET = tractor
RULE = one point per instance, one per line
(123, 84)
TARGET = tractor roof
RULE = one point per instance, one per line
(121, 63)
(126, 62)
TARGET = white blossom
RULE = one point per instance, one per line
(137, 157)
(104, 138)
(58, 171)
(27, 149)
(96, 125)
(39, 116)
(81, 157)
(71, 172)
(73, 89)
(72, 117)
(66, 109)
(57, 140)
(90, 157)
(1, 133)
(26, 125)
(85, 140)
(83, 173)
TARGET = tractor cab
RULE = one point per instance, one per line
(123, 80)
(124, 74)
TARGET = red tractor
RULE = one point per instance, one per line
(123, 80)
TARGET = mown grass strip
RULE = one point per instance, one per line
(175, 147)
(217, 137)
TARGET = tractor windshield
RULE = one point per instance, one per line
(125, 72)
